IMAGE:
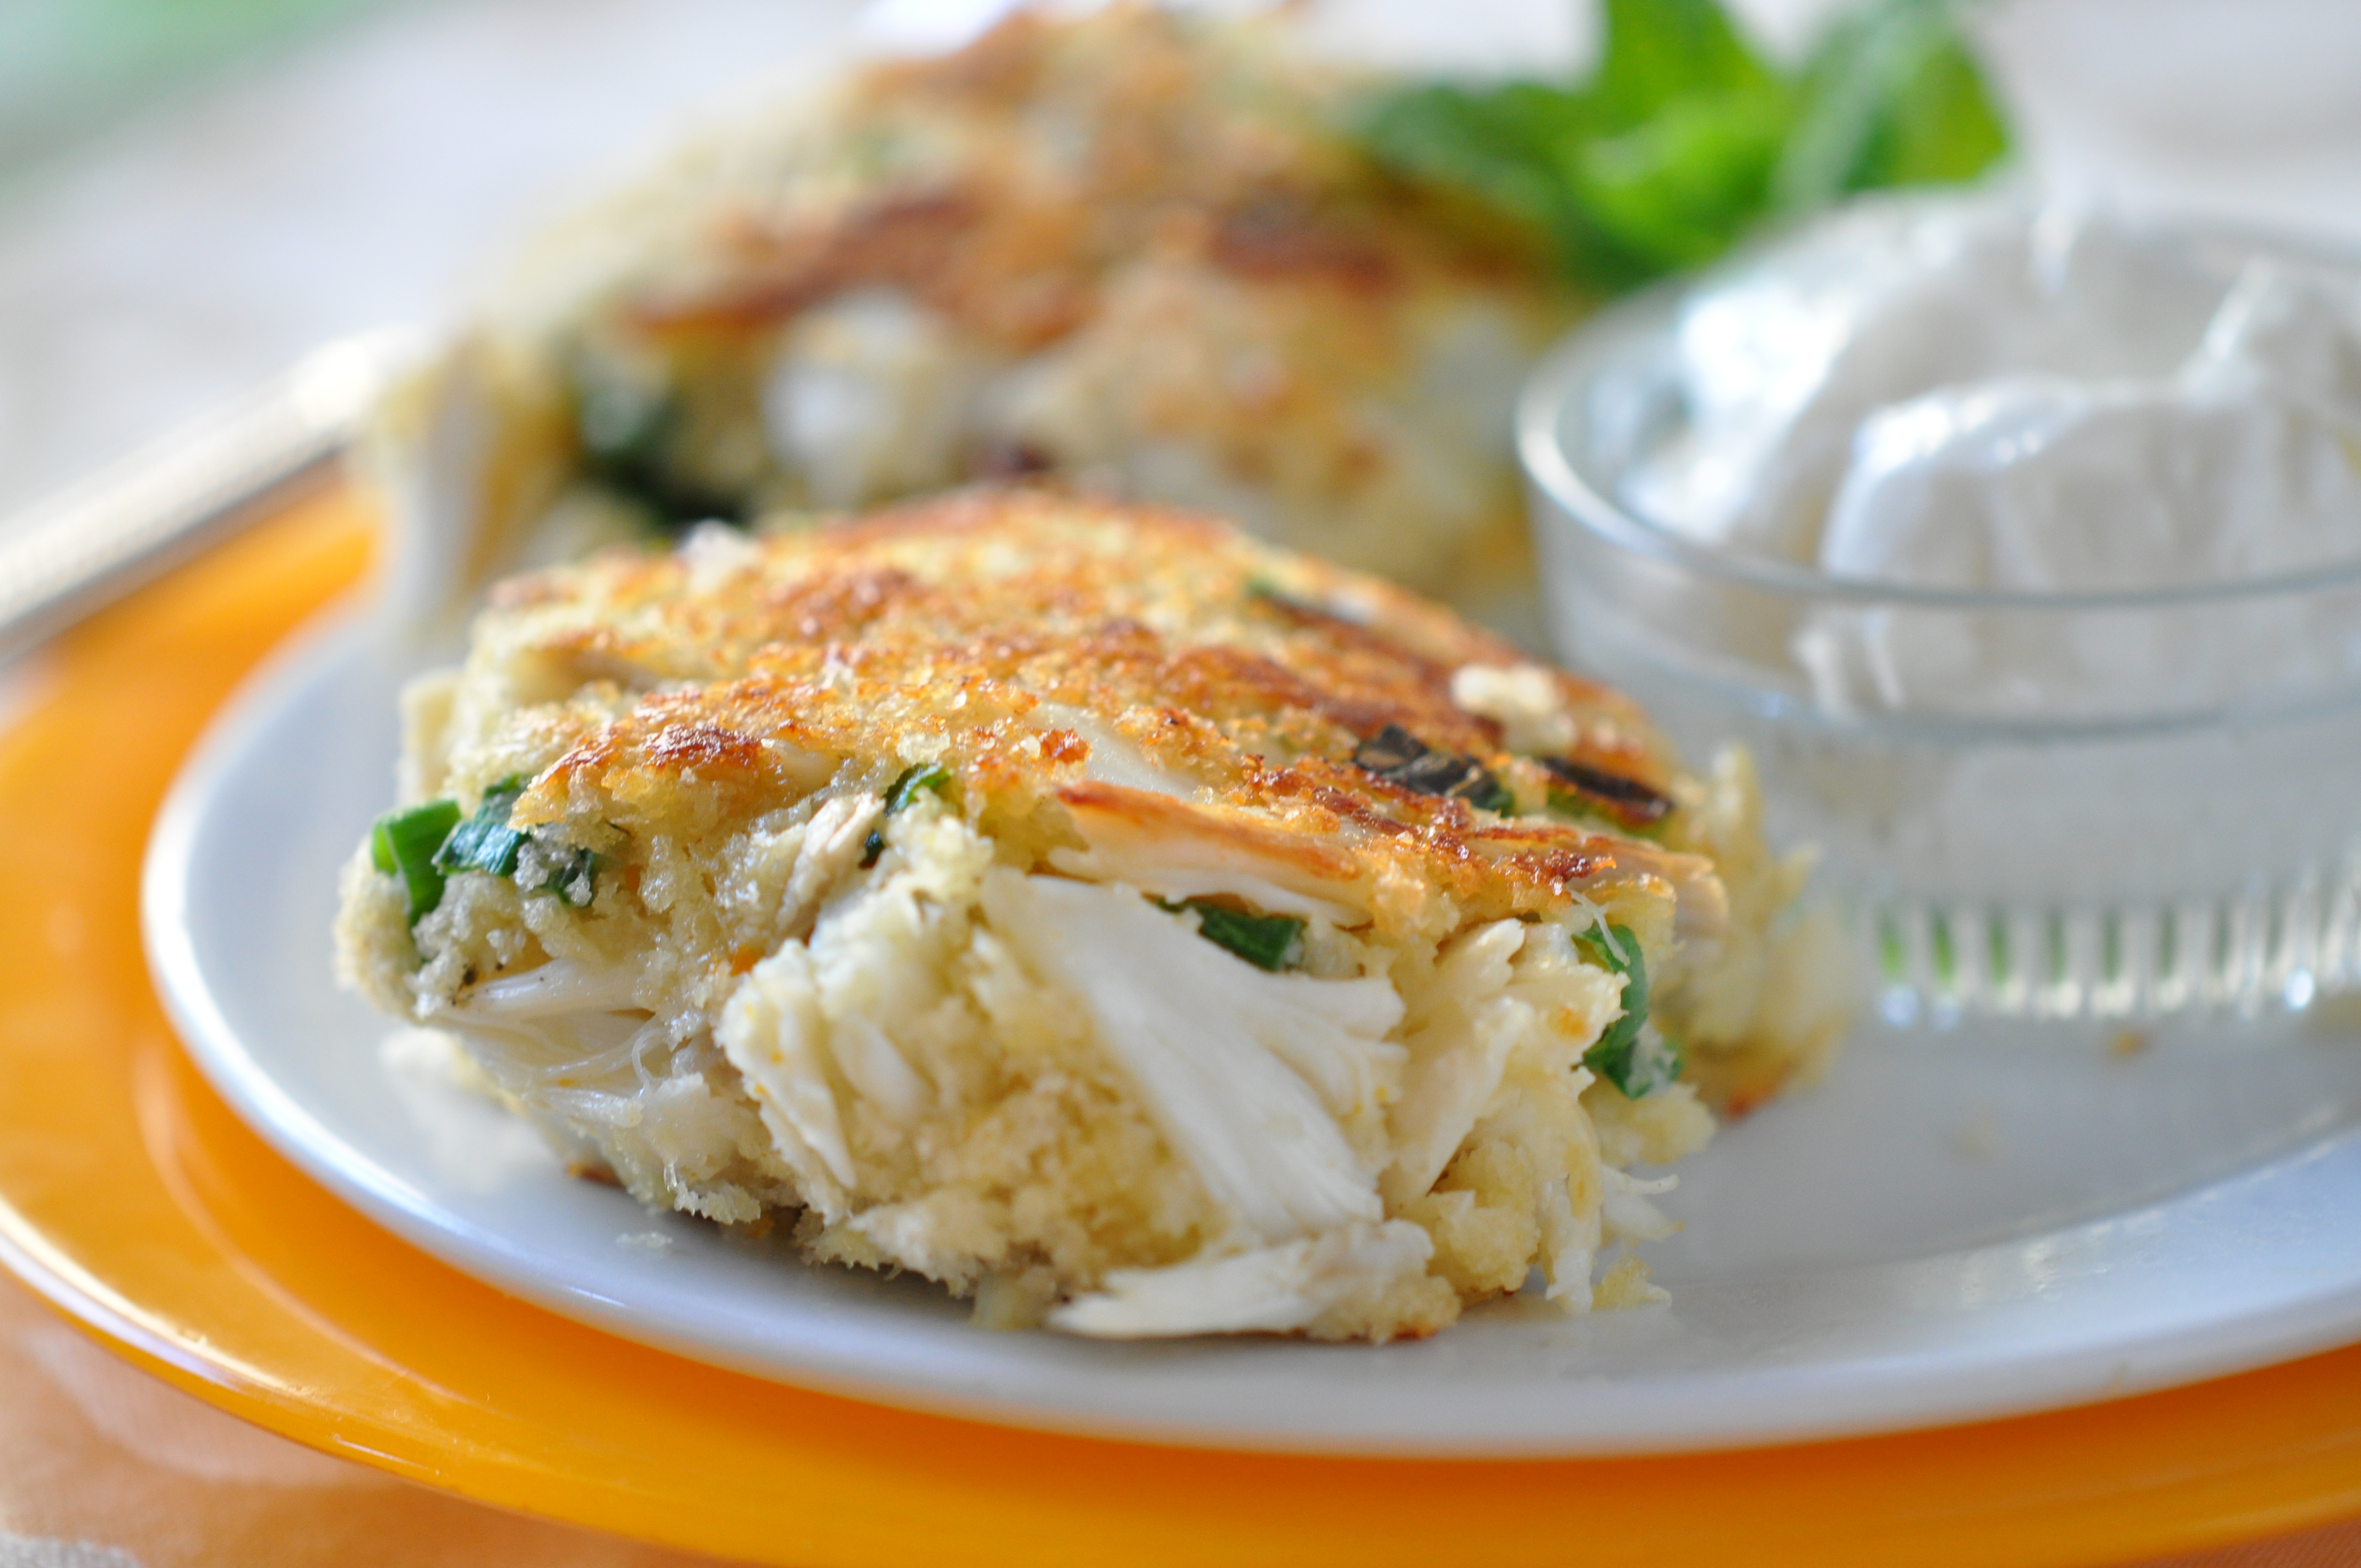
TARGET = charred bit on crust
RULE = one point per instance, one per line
(1626, 799)
(1400, 758)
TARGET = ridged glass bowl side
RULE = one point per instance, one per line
(2109, 805)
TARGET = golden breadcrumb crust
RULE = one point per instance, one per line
(1025, 641)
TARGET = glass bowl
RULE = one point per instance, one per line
(2104, 805)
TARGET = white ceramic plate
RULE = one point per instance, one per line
(1951, 1227)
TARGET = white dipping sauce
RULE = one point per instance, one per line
(1970, 393)
(2057, 792)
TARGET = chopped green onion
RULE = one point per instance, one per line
(486, 842)
(917, 776)
(572, 874)
(1647, 1063)
(898, 794)
(1634, 1058)
(632, 445)
(403, 843)
(1271, 942)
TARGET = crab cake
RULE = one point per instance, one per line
(1130, 926)
(1133, 249)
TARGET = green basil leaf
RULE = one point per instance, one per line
(1892, 96)
(1683, 140)
(1515, 149)
(1655, 53)
(1683, 186)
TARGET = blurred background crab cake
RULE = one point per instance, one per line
(1133, 249)
(1119, 922)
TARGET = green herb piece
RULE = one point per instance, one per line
(1683, 140)
(1647, 1063)
(1657, 54)
(1892, 96)
(1492, 795)
(572, 876)
(1634, 1058)
(1687, 125)
(486, 842)
(932, 776)
(630, 437)
(403, 844)
(1511, 149)
(1682, 187)
(1270, 942)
